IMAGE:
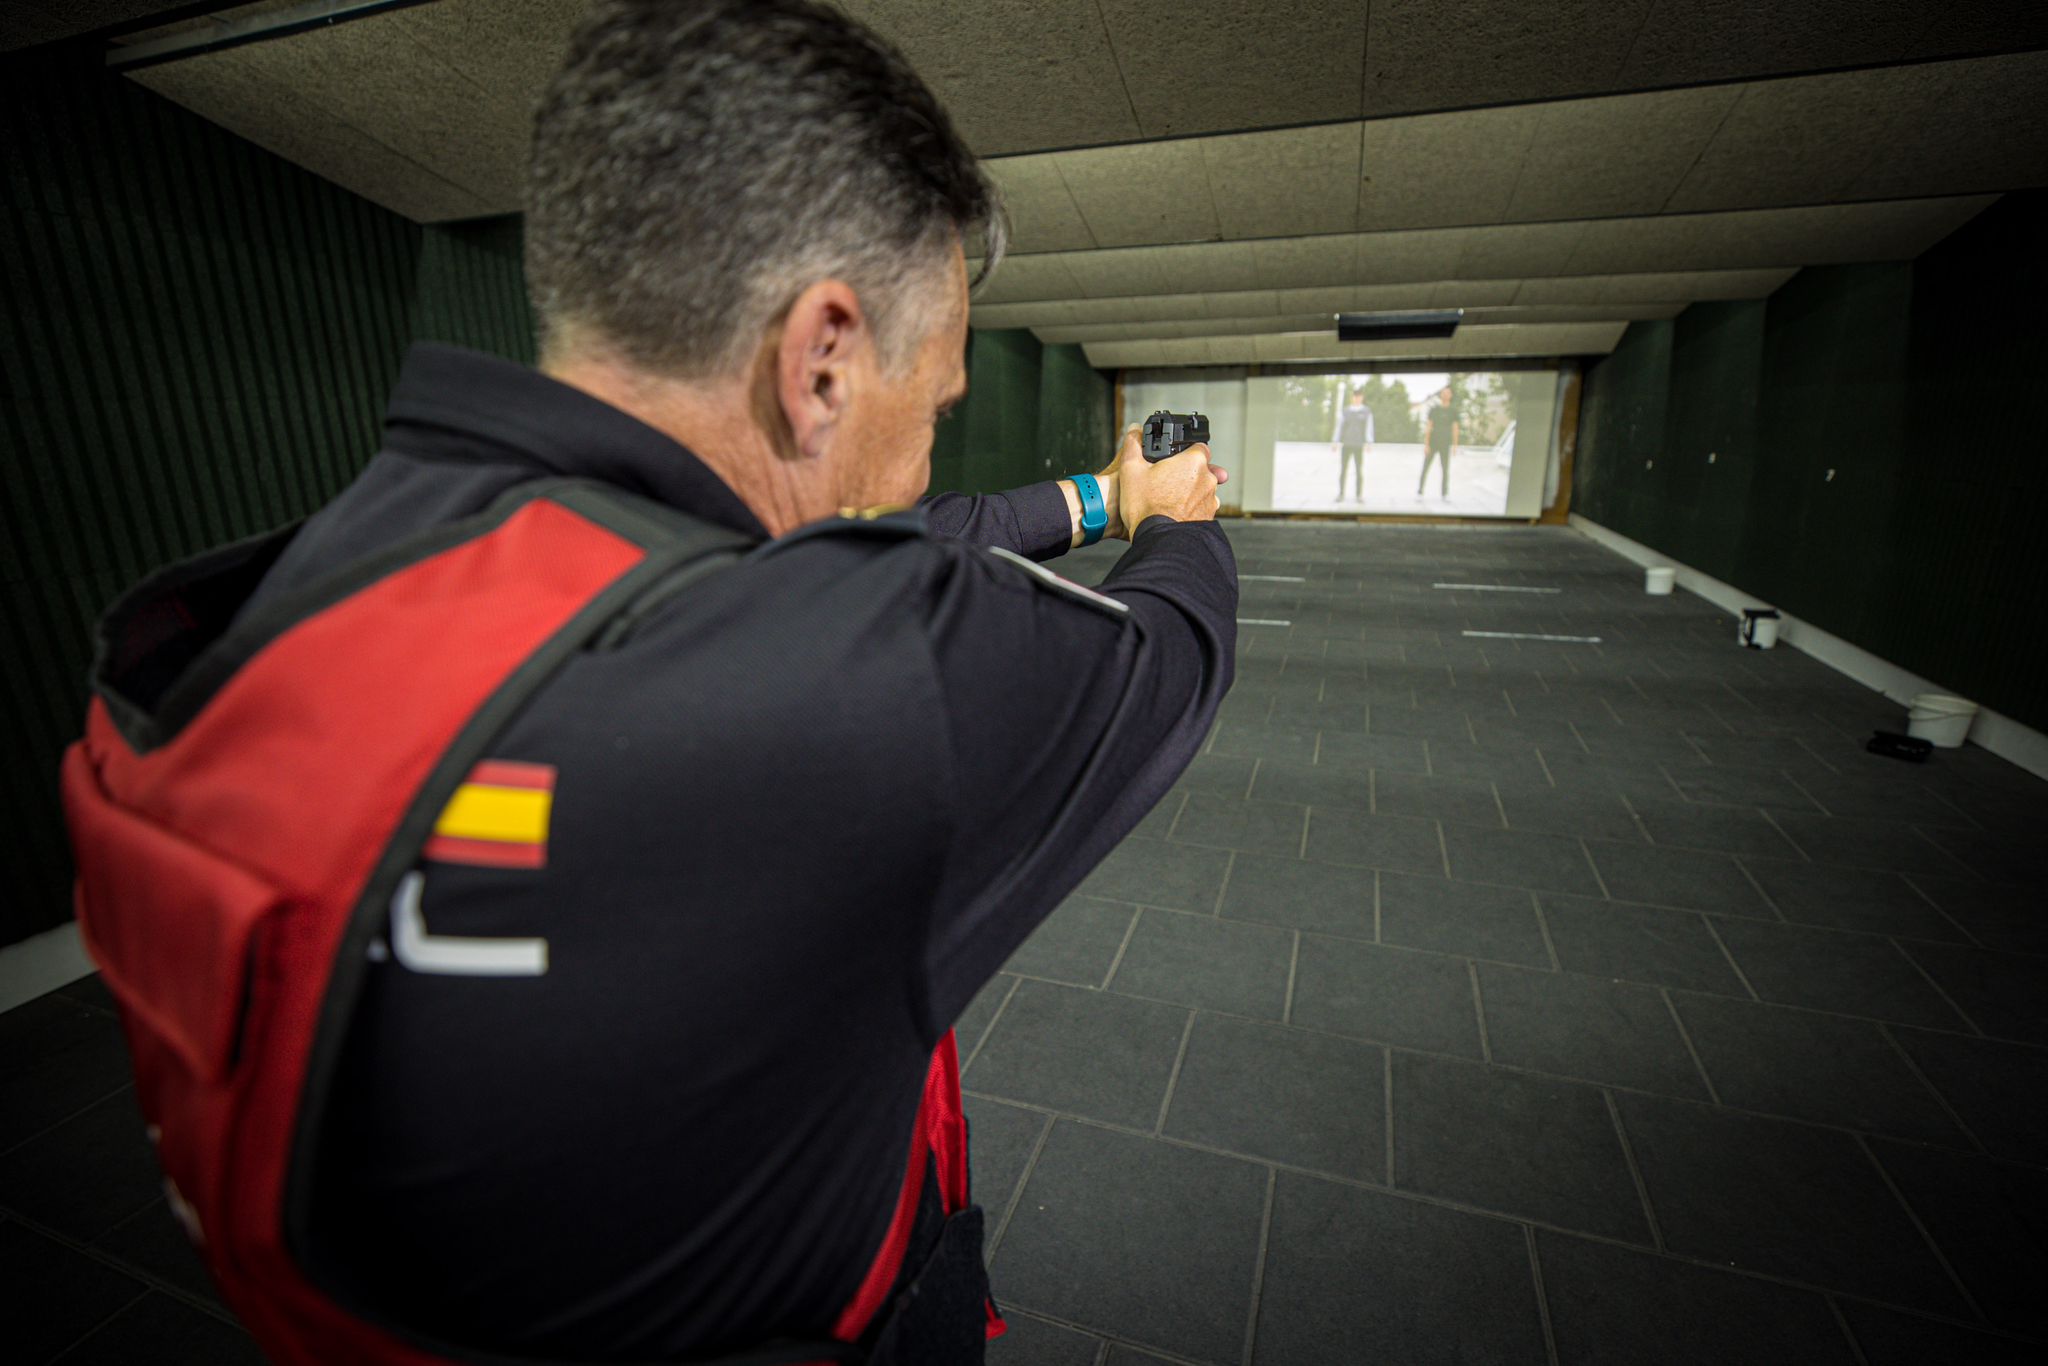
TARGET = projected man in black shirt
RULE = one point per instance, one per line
(1439, 439)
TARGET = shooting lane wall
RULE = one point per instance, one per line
(197, 341)
(1922, 387)
(1032, 412)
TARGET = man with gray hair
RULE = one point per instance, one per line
(625, 1060)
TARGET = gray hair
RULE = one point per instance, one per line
(698, 163)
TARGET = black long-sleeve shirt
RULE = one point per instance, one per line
(801, 814)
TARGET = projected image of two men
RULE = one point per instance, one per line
(1417, 442)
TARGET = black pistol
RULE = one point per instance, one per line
(1168, 434)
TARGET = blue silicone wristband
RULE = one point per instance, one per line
(1094, 513)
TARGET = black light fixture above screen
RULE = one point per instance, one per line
(1440, 322)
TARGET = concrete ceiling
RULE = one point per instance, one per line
(1175, 161)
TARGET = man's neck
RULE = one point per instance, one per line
(717, 424)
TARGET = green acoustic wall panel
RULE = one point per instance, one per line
(1032, 412)
(472, 290)
(1888, 467)
(195, 343)
(1710, 453)
(1001, 411)
(1076, 413)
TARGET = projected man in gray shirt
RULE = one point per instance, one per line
(1354, 436)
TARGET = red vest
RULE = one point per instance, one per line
(234, 866)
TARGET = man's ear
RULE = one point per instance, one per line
(822, 335)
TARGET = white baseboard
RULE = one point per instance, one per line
(2010, 740)
(42, 963)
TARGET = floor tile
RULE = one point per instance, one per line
(1637, 944)
(1419, 725)
(1619, 777)
(1301, 895)
(1615, 1033)
(1446, 799)
(2009, 919)
(1866, 844)
(1519, 858)
(1611, 1305)
(1415, 1000)
(1868, 899)
(1896, 794)
(1677, 877)
(1199, 960)
(1717, 829)
(87, 1174)
(1451, 758)
(1402, 843)
(1159, 820)
(165, 1332)
(152, 1240)
(1088, 1053)
(1076, 943)
(1890, 1337)
(1855, 974)
(1315, 787)
(1521, 1145)
(2004, 994)
(1138, 1238)
(1287, 744)
(1741, 787)
(1467, 918)
(1285, 1095)
(1387, 753)
(2000, 1090)
(1806, 1065)
(1582, 815)
(1990, 1219)
(90, 990)
(1229, 775)
(1157, 873)
(59, 1056)
(70, 1291)
(1229, 823)
(974, 1021)
(1780, 1198)
(2018, 856)
(1034, 1342)
(999, 1142)
(1355, 1276)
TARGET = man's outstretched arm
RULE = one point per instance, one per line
(1038, 521)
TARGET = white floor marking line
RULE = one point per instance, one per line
(1273, 578)
(1493, 588)
(1261, 621)
(1526, 635)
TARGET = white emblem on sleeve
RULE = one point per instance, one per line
(453, 956)
(1058, 584)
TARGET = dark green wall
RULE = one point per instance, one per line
(196, 342)
(1032, 412)
(1880, 455)
(472, 291)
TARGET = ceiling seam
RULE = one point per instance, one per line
(1364, 82)
(1752, 79)
(1123, 82)
(1707, 146)
(1544, 222)
(1642, 24)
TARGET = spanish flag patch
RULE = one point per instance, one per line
(498, 818)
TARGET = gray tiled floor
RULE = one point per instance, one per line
(1470, 1000)
(1611, 1004)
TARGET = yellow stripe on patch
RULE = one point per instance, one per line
(479, 811)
